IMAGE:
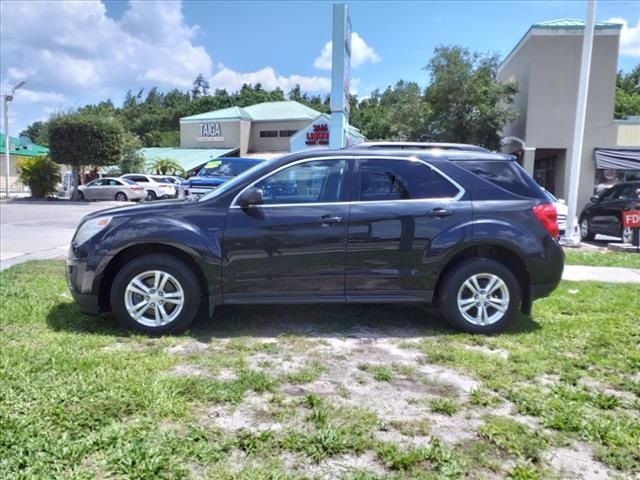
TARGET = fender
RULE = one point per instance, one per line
(202, 246)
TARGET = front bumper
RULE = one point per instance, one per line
(80, 281)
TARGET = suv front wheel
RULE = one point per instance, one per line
(480, 296)
(155, 294)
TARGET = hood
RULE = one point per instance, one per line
(161, 206)
(208, 181)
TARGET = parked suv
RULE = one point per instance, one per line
(604, 213)
(215, 173)
(468, 231)
(156, 187)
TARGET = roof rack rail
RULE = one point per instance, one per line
(463, 147)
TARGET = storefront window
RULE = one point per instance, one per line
(608, 177)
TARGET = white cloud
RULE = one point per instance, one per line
(361, 53)
(75, 48)
(231, 80)
(629, 37)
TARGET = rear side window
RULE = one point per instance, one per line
(505, 174)
(383, 179)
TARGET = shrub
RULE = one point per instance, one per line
(41, 174)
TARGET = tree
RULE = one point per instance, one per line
(200, 87)
(167, 166)
(41, 174)
(628, 94)
(131, 160)
(37, 132)
(468, 104)
(80, 140)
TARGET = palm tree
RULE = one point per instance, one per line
(167, 166)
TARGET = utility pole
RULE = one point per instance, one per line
(578, 131)
(7, 142)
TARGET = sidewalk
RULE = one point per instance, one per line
(601, 274)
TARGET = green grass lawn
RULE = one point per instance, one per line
(80, 398)
(601, 258)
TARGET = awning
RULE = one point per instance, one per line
(618, 158)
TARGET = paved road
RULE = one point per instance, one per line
(37, 230)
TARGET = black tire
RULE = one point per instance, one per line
(151, 196)
(585, 230)
(179, 271)
(121, 197)
(626, 232)
(452, 286)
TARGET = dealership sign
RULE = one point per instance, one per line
(210, 132)
(318, 135)
(631, 218)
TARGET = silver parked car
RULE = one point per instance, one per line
(119, 189)
(156, 188)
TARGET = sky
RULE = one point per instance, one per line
(72, 53)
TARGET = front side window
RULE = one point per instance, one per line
(383, 179)
(309, 182)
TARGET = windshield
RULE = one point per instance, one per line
(227, 167)
(256, 171)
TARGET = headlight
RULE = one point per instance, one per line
(89, 228)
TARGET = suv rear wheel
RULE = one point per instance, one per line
(155, 294)
(480, 296)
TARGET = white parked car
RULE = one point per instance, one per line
(119, 189)
(156, 187)
(563, 211)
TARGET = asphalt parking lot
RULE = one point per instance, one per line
(34, 230)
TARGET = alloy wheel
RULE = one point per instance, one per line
(154, 298)
(584, 228)
(483, 299)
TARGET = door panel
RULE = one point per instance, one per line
(390, 241)
(293, 244)
(285, 250)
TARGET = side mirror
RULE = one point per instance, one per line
(595, 199)
(251, 196)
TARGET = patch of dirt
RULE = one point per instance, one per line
(600, 387)
(341, 465)
(577, 463)
(253, 414)
(189, 371)
(188, 348)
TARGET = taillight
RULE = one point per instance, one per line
(135, 188)
(547, 215)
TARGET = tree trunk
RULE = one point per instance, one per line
(75, 182)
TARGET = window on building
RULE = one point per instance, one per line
(309, 182)
(382, 179)
(268, 133)
(287, 133)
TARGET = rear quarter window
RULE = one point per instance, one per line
(506, 174)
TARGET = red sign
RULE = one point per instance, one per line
(319, 135)
(631, 218)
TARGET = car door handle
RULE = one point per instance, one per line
(440, 212)
(329, 219)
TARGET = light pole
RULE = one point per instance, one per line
(7, 142)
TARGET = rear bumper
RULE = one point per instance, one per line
(542, 290)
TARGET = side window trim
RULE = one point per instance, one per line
(352, 177)
(348, 159)
(357, 172)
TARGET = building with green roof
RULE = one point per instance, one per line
(265, 128)
(19, 148)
